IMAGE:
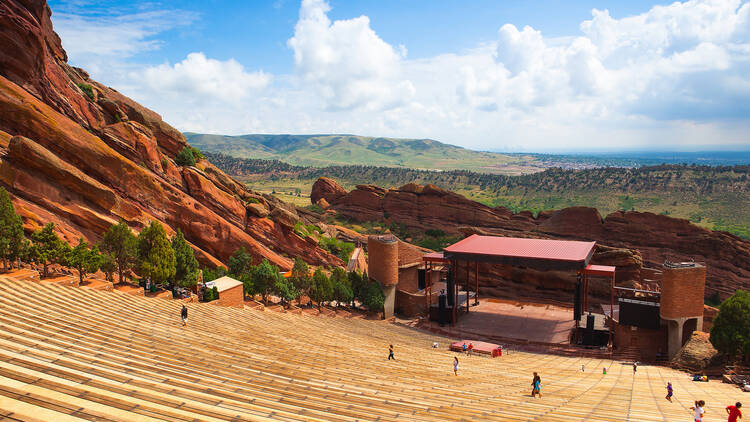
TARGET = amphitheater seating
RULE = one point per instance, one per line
(68, 353)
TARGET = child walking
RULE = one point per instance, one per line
(536, 386)
(698, 409)
(455, 365)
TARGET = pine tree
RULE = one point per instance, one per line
(84, 258)
(186, 266)
(284, 288)
(322, 289)
(120, 244)
(342, 291)
(11, 230)
(240, 263)
(108, 267)
(156, 258)
(185, 157)
(301, 276)
(264, 278)
(48, 248)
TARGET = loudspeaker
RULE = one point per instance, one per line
(450, 287)
(443, 315)
(577, 301)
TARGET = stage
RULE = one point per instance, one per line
(508, 320)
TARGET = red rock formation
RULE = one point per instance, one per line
(632, 239)
(84, 156)
(326, 188)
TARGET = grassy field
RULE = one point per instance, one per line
(327, 150)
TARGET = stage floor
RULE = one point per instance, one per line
(518, 320)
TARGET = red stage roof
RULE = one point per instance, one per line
(512, 247)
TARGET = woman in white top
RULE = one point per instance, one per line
(455, 365)
(699, 412)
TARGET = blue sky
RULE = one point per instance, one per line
(511, 75)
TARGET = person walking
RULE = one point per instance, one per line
(635, 367)
(734, 412)
(390, 352)
(455, 365)
(698, 409)
(536, 386)
(670, 391)
(583, 368)
(183, 313)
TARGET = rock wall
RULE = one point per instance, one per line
(632, 241)
(82, 155)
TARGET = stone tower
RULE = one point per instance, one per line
(682, 291)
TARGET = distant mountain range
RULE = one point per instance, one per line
(327, 150)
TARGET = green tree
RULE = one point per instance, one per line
(11, 230)
(48, 248)
(156, 258)
(186, 266)
(322, 289)
(185, 157)
(240, 263)
(120, 244)
(341, 292)
(358, 284)
(730, 334)
(373, 297)
(284, 288)
(264, 278)
(210, 275)
(84, 258)
(301, 276)
(108, 267)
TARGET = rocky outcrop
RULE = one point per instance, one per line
(326, 188)
(635, 242)
(82, 155)
(697, 354)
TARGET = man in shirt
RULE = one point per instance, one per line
(734, 412)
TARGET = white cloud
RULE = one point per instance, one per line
(673, 75)
(116, 36)
(349, 65)
(199, 78)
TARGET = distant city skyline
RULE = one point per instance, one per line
(547, 76)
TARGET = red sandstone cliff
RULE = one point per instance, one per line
(626, 239)
(86, 160)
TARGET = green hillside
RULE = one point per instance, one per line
(716, 197)
(327, 150)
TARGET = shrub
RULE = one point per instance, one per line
(730, 334)
(211, 294)
(337, 247)
(185, 157)
(197, 154)
(316, 208)
(87, 89)
(373, 297)
(164, 163)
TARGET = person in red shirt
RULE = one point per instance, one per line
(734, 412)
